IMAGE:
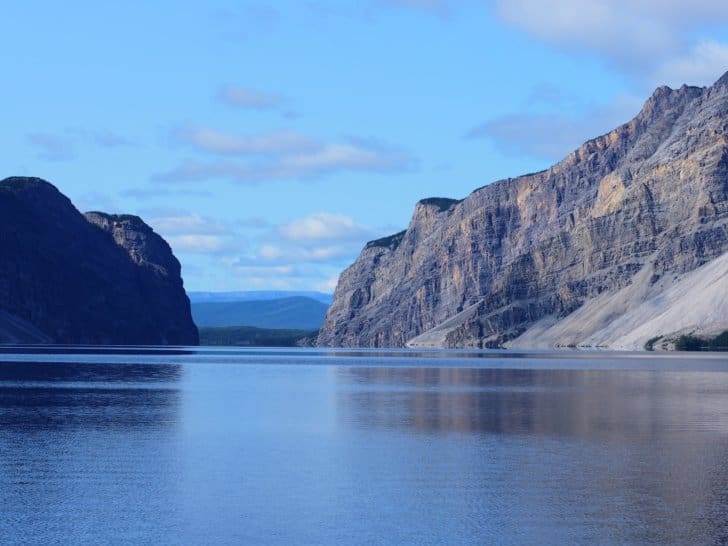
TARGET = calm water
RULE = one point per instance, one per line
(304, 447)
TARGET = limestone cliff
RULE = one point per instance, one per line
(610, 229)
(98, 279)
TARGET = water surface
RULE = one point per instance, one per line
(196, 446)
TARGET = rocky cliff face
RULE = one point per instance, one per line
(618, 222)
(94, 279)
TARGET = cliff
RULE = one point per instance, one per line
(608, 247)
(94, 279)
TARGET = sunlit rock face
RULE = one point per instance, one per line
(94, 279)
(616, 224)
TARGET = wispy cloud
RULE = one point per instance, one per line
(52, 147)
(552, 136)
(224, 143)
(437, 6)
(182, 223)
(192, 233)
(142, 193)
(197, 244)
(242, 97)
(276, 276)
(281, 156)
(109, 139)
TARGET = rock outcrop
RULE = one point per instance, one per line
(587, 252)
(94, 279)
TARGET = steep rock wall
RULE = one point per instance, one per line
(650, 195)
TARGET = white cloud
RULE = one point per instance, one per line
(332, 254)
(641, 38)
(702, 65)
(270, 252)
(223, 143)
(324, 226)
(241, 97)
(615, 28)
(191, 233)
(320, 238)
(335, 156)
(303, 252)
(183, 223)
(197, 244)
(280, 156)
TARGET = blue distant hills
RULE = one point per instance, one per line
(259, 295)
(261, 309)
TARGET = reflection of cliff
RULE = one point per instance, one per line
(36, 395)
(596, 405)
(639, 455)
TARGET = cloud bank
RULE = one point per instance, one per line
(652, 41)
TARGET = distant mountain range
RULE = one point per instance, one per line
(291, 312)
(257, 295)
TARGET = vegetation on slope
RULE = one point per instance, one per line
(690, 342)
(249, 336)
(391, 241)
(442, 203)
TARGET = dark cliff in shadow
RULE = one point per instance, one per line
(75, 279)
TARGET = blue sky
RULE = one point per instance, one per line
(267, 142)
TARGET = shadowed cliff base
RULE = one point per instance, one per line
(622, 241)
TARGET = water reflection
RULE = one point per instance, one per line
(42, 395)
(301, 447)
(87, 452)
(643, 451)
(96, 350)
(551, 402)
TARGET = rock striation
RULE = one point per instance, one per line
(612, 230)
(93, 279)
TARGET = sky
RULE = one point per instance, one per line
(268, 141)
